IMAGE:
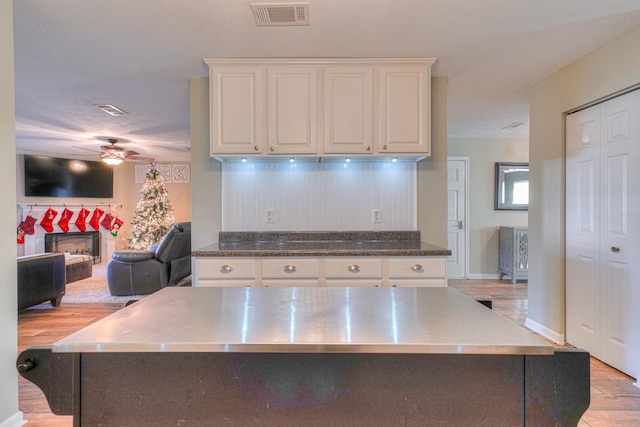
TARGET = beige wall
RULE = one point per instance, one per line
(484, 221)
(607, 70)
(9, 414)
(206, 172)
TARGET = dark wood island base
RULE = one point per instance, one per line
(311, 389)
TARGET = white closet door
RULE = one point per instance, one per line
(603, 231)
(620, 235)
(583, 229)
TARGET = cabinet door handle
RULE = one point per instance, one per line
(354, 268)
(384, 147)
(368, 148)
(289, 268)
(417, 268)
(615, 249)
(255, 148)
(271, 148)
(226, 269)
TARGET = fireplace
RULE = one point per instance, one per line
(81, 243)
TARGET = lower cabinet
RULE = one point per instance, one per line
(313, 271)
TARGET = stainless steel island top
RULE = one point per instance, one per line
(306, 320)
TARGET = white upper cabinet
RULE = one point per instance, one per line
(320, 107)
(236, 110)
(403, 110)
(348, 110)
(292, 117)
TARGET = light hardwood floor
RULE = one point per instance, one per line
(614, 399)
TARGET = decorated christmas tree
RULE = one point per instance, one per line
(154, 215)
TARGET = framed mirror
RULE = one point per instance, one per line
(512, 186)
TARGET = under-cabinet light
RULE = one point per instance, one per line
(394, 159)
(292, 159)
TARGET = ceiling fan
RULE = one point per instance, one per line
(113, 154)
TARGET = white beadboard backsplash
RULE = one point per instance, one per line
(311, 196)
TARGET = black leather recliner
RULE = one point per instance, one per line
(139, 272)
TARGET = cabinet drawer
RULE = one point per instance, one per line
(284, 283)
(370, 283)
(225, 268)
(417, 283)
(353, 268)
(289, 268)
(212, 283)
(417, 267)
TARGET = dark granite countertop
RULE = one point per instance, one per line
(351, 243)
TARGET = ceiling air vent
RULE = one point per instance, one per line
(273, 14)
(112, 109)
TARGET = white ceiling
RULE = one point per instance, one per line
(71, 55)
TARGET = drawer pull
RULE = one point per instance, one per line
(289, 268)
(226, 269)
(417, 268)
(354, 268)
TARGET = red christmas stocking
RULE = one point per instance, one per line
(95, 218)
(116, 226)
(47, 221)
(29, 225)
(81, 221)
(64, 220)
(106, 221)
(20, 233)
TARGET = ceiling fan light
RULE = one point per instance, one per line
(112, 160)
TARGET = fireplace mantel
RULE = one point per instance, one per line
(34, 244)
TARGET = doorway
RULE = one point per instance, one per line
(458, 217)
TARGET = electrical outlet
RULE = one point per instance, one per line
(376, 216)
(269, 216)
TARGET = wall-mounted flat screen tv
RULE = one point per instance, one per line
(55, 177)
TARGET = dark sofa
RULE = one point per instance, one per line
(41, 278)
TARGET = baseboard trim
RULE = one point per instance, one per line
(484, 276)
(545, 332)
(16, 420)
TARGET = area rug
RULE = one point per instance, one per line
(94, 290)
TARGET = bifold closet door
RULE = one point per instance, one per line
(603, 231)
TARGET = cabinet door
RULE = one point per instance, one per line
(348, 110)
(236, 110)
(404, 110)
(292, 118)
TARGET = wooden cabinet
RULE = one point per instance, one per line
(348, 110)
(292, 117)
(236, 110)
(403, 110)
(416, 271)
(301, 271)
(211, 272)
(321, 271)
(320, 107)
(514, 252)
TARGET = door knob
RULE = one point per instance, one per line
(615, 249)
(461, 225)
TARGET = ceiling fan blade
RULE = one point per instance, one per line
(88, 149)
(111, 148)
(128, 153)
(141, 159)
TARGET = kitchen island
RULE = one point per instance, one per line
(309, 356)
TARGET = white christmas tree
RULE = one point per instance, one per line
(154, 215)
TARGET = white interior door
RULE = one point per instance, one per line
(457, 216)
